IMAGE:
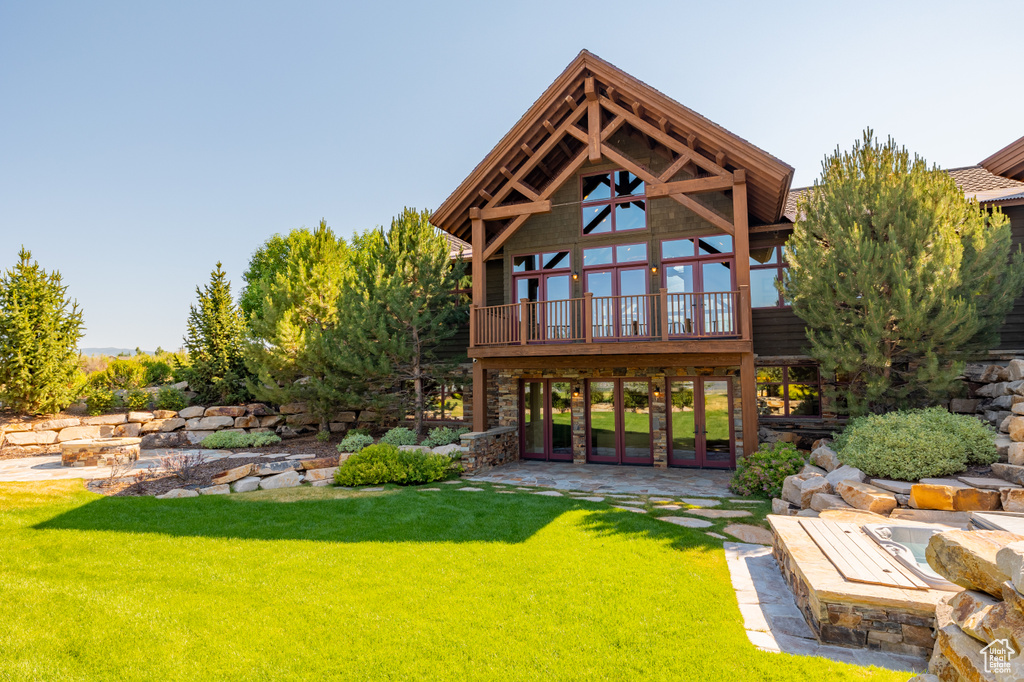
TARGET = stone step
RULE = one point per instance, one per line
(898, 487)
(866, 497)
(1009, 472)
(987, 483)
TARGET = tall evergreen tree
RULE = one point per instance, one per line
(295, 345)
(39, 332)
(897, 275)
(264, 264)
(214, 340)
(401, 305)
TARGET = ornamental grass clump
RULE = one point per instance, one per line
(761, 474)
(909, 445)
(385, 463)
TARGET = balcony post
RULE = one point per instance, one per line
(742, 319)
(588, 317)
(472, 326)
(523, 326)
(663, 302)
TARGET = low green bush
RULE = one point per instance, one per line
(101, 400)
(136, 399)
(236, 439)
(385, 463)
(909, 445)
(443, 435)
(124, 373)
(400, 436)
(354, 442)
(323, 436)
(158, 372)
(171, 399)
(761, 474)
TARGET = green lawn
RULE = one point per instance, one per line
(319, 583)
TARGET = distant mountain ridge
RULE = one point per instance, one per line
(110, 351)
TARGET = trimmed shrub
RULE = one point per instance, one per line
(136, 399)
(761, 474)
(443, 435)
(909, 445)
(171, 399)
(236, 439)
(354, 442)
(400, 436)
(385, 463)
(101, 400)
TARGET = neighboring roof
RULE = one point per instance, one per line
(1008, 161)
(767, 177)
(457, 247)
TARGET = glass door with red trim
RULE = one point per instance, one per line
(544, 280)
(546, 419)
(700, 427)
(619, 421)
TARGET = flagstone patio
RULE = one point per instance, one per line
(49, 468)
(609, 479)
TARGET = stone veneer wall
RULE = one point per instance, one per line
(490, 448)
(856, 625)
(505, 383)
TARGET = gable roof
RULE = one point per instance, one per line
(1008, 161)
(551, 116)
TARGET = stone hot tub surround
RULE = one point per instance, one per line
(103, 452)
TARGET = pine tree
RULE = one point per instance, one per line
(400, 305)
(39, 333)
(897, 275)
(295, 342)
(213, 341)
(264, 264)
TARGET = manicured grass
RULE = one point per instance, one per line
(331, 584)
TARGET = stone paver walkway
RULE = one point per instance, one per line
(773, 621)
(49, 468)
(608, 479)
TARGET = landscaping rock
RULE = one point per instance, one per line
(163, 440)
(223, 489)
(302, 420)
(319, 463)
(1010, 560)
(288, 479)
(1003, 443)
(964, 405)
(975, 499)
(813, 486)
(225, 411)
(1015, 454)
(782, 507)
(1012, 499)
(105, 420)
(987, 483)
(78, 433)
(791, 488)
(196, 437)
(942, 518)
(1016, 429)
(140, 416)
(151, 427)
(128, 430)
(845, 473)
(994, 390)
(191, 412)
(271, 421)
(987, 619)
(1009, 472)
(719, 513)
(822, 501)
(1015, 370)
(232, 475)
(1018, 405)
(898, 487)
(213, 423)
(851, 515)
(247, 484)
(172, 424)
(271, 468)
(247, 422)
(808, 513)
(450, 449)
(176, 493)
(962, 653)
(826, 458)
(867, 497)
(30, 437)
(968, 558)
(164, 414)
(701, 502)
(320, 474)
(925, 496)
(293, 408)
(56, 424)
(1012, 596)
(748, 533)
(258, 410)
(683, 521)
(345, 417)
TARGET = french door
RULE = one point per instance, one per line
(619, 421)
(700, 428)
(551, 319)
(545, 418)
(620, 302)
(707, 308)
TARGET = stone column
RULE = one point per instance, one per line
(579, 423)
(659, 421)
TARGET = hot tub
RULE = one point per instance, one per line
(908, 545)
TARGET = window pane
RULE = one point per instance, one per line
(679, 279)
(631, 216)
(803, 374)
(555, 261)
(716, 421)
(636, 403)
(597, 219)
(716, 276)
(602, 418)
(769, 374)
(677, 248)
(769, 400)
(712, 246)
(528, 288)
(524, 263)
(763, 293)
(630, 253)
(533, 417)
(597, 256)
(597, 187)
(684, 428)
(764, 256)
(627, 184)
(804, 400)
(561, 418)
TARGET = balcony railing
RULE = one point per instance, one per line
(598, 319)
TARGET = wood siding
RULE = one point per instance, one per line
(1012, 332)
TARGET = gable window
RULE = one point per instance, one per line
(788, 391)
(766, 265)
(613, 202)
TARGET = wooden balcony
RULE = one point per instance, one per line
(655, 323)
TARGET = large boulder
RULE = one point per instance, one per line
(1009, 472)
(791, 488)
(223, 489)
(271, 468)
(975, 499)
(1015, 370)
(172, 424)
(1010, 560)
(245, 485)
(163, 440)
(961, 652)
(986, 619)
(968, 558)
(845, 473)
(232, 475)
(271, 421)
(56, 424)
(213, 423)
(320, 474)
(319, 462)
(814, 485)
(1016, 429)
(105, 420)
(78, 433)
(1012, 499)
(821, 502)
(258, 410)
(288, 479)
(826, 458)
(140, 417)
(247, 422)
(225, 411)
(304, 419)
(30, 437)
(927, 496)
(782, 507)
(293, 408)
(867, 497)
(176, 493)
(127, 430)
(192, 412)
(164, 414)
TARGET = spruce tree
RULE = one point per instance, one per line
(214, 341)
(400, 305)
(39, 332)
(897, 275)
(295, 345)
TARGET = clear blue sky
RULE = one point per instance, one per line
(141, 142)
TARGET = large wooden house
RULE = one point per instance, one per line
(624, 251)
